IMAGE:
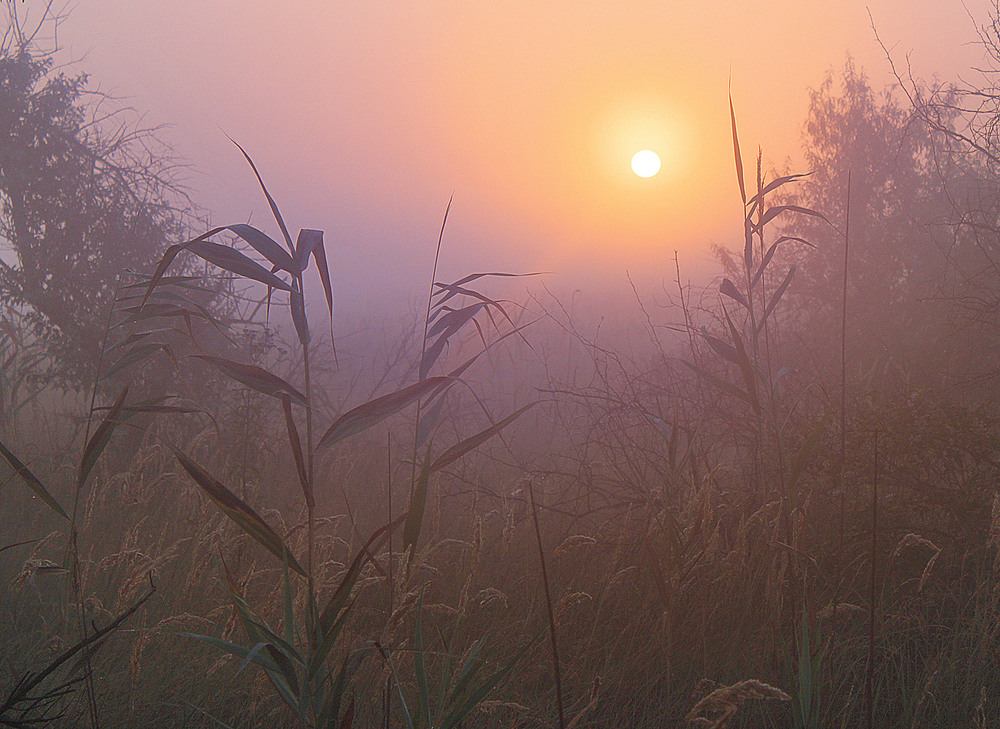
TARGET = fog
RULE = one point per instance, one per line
(352, 374)
(364, 121)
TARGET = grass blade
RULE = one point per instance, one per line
(415, 512)
(375, 411)
(32, 482)
(267, 247)
(239, 512)
(420, 667)
(230, 259)
(256, 378)
(270, 200)
(100, 439)
(296, 444)
(460, 449)
(736, 149)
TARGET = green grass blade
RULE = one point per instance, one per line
(288, 621)
(484, 689)
(466, 673)
(273, 671)
(343, 591)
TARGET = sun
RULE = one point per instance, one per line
(645, 163)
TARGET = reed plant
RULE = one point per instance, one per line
(704, 527)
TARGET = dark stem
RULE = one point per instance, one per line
(548, 606)
(423, 340)
(872, 596)
(843, 398)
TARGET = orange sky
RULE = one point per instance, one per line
(365, 117)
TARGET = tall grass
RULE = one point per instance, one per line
(342, 542)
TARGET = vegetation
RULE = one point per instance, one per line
(84, 189)
(759, 521)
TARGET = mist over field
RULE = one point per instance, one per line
(443, 365)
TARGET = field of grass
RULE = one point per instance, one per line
(495, 518)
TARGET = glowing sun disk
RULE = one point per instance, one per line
(645, 163)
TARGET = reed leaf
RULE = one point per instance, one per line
(230, 259)
(776, 297)
(747, 368)
(100, 439)
(298, 307)
(256, 378)
(480, 692)
(736, 150)
(239, 512)
(777, 210)
(267, 247)
(455, 319)
(729, 289)
(310, 242)
(460, 449)
(135, 356)
(375, 411)
(770, 254)
(723, 349)
(415, 512)
(295, 442)
(718, 382)
(270, 200)
(32, 482)
(271, 668)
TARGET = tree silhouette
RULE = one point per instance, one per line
(907, 254)
(85, 194)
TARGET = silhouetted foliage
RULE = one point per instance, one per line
(84, 192)
(910, 257)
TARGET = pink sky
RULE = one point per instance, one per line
(365, 117)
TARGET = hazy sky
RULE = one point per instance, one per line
(365, 117)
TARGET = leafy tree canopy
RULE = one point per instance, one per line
(85, 194)
(909, 253)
